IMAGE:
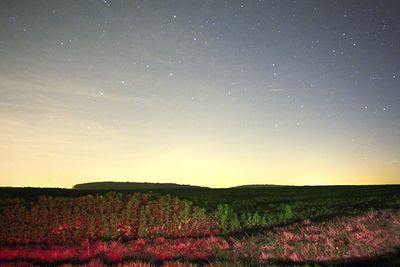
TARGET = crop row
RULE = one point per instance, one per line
(110, 216)
(343, 239)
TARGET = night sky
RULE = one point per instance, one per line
(215, 93)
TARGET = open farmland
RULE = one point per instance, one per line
(187, 133)
(246, 226)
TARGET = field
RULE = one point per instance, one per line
(195, 226)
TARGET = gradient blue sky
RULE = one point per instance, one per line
(215, 93)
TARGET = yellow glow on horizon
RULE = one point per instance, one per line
(205, 95)
(48, 161)
(52, 147)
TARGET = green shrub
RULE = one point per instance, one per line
(226, 218)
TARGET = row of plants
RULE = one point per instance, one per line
(232, 222)
(334, 242)
(115, 216)
(101, 217)
(112, 216)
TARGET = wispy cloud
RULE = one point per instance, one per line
(54, 93)
(27, 106)
(277, 90)
(396, 161)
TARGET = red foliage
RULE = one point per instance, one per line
(159, 249)
(362, 236)
(67, 221)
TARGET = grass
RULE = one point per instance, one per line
(271, 226)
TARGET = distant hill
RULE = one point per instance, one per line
(109, 185)
(256, 186)
(131, 186)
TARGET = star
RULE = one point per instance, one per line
(294, 64)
